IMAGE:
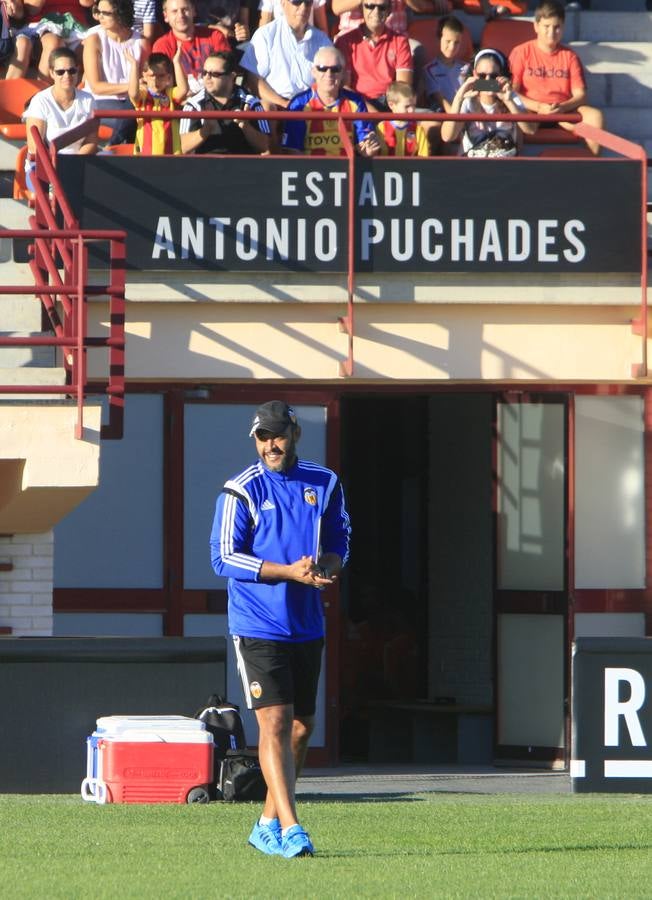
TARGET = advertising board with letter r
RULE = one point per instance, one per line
(612, 715)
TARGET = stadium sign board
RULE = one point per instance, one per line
(252, 214)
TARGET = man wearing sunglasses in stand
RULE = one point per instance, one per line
(322, 137)
(220, 92)
(279, 56)
(375, 55)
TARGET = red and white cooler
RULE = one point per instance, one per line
(148, 759)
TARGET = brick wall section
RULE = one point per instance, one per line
(26, 590)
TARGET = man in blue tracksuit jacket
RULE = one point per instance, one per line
(281, 535)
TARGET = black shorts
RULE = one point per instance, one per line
(276, 673)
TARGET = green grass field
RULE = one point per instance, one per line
(420, 845)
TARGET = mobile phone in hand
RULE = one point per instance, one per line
(488, 85)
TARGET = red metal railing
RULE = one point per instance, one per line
(59, 265)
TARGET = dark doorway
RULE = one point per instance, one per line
(416, 654)
(384, 648)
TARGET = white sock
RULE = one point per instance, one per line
(265, 820)
(284, 831)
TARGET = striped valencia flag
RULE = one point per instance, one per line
(157, 137)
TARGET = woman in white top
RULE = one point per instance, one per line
(58, 109)
(106, 68)
(489, 66)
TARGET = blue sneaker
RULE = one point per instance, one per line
(267, 838)
(296, 843)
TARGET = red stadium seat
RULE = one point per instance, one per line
(574, 150)
(21, 191)
(424, 30)
(14, 96)
(505, 34)
(474, 7)
(121, 149)
(555, 136)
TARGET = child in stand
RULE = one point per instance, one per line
(443, 76)
(401, 137)
(157, 90)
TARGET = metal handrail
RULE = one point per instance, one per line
(54, 248)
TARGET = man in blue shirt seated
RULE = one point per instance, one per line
(321, 137)
(280, 535)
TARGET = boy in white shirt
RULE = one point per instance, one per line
(444, 75)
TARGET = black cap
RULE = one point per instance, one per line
(274, 416)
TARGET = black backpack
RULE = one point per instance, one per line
(223, 721)
(237, 771)
(241, 777)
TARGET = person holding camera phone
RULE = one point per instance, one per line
(487, 90)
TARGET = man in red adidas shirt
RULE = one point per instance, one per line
(197, 42)
(549, 76)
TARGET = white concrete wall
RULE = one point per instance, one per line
(26, 590)
(392, 342)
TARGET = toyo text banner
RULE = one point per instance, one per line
(235, 214)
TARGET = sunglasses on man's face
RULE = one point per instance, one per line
(381, 7)
(300, 2)
(333, 69)
(206, 73)
(71, 71)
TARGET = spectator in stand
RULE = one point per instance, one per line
(443, 76)
(279, 56)
(484, 138)
(322, 138)
(197, 42)
(163, 86)
(11, 17)
(10, 12)
(220, 92)
(350, 13)
(375, 55)
(106, 67)
(230, 13)
(491, 9)
(550, 76)
(55, 23)
(273, 9)
(402, 137)
(146, 19)
(227, 16)
(59, 109)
